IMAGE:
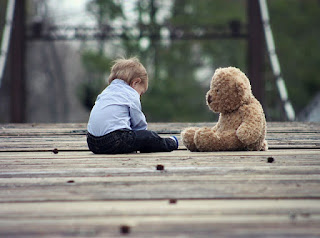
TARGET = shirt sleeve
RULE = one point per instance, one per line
(137, 118)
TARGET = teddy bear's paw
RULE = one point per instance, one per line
(187, 136)
(264, 146)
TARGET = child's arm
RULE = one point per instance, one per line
(137, 119)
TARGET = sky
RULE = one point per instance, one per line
(73, 12)
(70, 12)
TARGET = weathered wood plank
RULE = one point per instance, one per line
(62, 180)
(87, 160)
(167, 189)
(233, 194)
(170, 186)
(44, 137)
(196, 226)
(134, 176)
(78, 142)
(175, 158)
(174, 154)
(153, 227)
(303, 208)
(165, 128)
(70, 143)
(59, 164)
(239, 218)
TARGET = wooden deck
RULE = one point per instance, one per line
(52, 186)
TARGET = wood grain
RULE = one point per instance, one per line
(75, 193)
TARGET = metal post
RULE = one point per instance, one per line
(17, 65)
(275, 66)
(255, 49)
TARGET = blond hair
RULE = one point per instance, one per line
(128, 70)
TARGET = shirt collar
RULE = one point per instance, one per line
(120, 81)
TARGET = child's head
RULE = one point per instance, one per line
(129, 70)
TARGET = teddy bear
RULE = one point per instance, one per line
(241, 124)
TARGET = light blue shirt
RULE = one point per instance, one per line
(117, 107)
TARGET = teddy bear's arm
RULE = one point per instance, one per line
(250, 129)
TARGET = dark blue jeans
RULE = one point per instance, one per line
(127, 141)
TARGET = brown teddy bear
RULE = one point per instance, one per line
(241, 124)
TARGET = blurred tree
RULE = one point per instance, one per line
(297, 43)
(95, 61)
(180, 70)
(3, 8)
(96, 67)
(177, 88)
(178, 91)
(4, 95)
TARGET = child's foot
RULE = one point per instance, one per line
(176, 140)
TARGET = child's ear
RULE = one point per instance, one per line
(135, 81)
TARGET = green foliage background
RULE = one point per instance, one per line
(296, 26)
(176, 92)
(3, 8)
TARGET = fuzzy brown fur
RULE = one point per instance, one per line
(241, 124)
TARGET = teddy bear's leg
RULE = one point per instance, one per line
(187, 136)
(207, 140)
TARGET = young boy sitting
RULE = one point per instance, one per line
(116, 124)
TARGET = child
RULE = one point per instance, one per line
(116, 124)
